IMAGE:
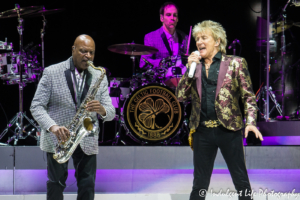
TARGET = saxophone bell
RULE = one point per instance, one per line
(89, 125)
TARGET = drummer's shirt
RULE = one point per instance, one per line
(209, 86)
(174, 45)
(173, 42)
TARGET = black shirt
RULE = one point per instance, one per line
(209, 86)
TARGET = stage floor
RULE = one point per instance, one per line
(159, 196)
(151, 173)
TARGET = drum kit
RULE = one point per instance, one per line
(149, 112)
(20, 68)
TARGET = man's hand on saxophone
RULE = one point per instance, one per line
(95, 106)
(61, 132)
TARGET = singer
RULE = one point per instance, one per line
(216, 119)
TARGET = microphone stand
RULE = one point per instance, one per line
(234, 48)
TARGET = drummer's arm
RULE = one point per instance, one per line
(154, 62)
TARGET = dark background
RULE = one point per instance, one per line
(115, 22)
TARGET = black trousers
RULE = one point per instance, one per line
(85, 173)
(206, 142)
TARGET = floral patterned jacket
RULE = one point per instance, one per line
(233, 82)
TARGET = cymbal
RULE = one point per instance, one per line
(44, 12)
(132, 49)
(22, 11)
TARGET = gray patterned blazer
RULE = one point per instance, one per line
(156, 39)
(53, 104)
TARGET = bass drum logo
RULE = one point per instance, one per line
(153, 113)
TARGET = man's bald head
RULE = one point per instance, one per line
(82, 51)
(83, 39)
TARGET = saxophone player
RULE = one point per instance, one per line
(60, 92)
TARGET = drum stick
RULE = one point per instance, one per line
(188, 46)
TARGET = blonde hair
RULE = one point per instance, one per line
(217, 30)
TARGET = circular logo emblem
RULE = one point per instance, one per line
(153, 113)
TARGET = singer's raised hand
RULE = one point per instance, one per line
(193, 58)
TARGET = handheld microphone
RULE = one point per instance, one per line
(193, 67)
(233, 43)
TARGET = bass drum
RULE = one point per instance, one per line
(152, 114)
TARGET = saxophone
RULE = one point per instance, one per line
(81, 125)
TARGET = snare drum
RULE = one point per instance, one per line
(174, 67)
(152, 114)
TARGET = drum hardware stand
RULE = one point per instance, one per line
(282, 15)
(116, 119)
(18, 129)
(117, 137)
(42, 37)
(176, 140)
(185, 121)
(18, 119)
(273, 98)
(185, 127)
(132, 57)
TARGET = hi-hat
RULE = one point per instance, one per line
(22, 11)
(132, 49)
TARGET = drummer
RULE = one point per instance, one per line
(167, 39)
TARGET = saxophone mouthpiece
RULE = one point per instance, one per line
(98, 68)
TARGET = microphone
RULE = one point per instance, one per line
(146, 61)
(193, 67)
(233, 43)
